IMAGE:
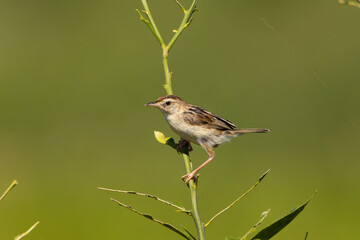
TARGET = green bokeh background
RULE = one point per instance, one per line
(74, 77)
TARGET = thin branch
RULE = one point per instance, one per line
(151, 23)
(181, 6)
(148, 13)
(166, 48)
(306, 235)
(185, 22)
(18, 237)
(180, 209)
(263, 216)
(12, 185)
(142, 18)
(239, 198)
(167, 225)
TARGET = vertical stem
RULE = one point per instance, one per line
(165, 50)
(195, 210)
(167, 72)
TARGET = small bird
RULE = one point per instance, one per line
(196, 125)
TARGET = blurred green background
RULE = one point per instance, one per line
(74, 77)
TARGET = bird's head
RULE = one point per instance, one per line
(169, 104)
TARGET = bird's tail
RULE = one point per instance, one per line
(238, 132)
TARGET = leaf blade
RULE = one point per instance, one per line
(165, 224)
(281, 223)
(262, 218)
(12, 185)
(160, 137)
(21, 236)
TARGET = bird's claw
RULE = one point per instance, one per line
(188, 177)
(182, 143)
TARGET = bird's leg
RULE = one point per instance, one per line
(211, 154)
(182, 143)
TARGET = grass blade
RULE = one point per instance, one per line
(279, 224)
(238, 199)
(167, 225)
(18, 237)
(192, 236)
(12, 185)
(263, 216)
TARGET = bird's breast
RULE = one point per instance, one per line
(194, 133)
(183, 129)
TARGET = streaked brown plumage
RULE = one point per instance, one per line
(197, 125)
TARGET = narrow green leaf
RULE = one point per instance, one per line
(264, 175)
(167, 225)
(279, 224)
(262, 218)
(12, 185)
(21, 236)
(190, 235)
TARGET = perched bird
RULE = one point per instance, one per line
(196, 125)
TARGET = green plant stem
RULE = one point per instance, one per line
(167, 72)
(165, 52)
(192, 186)
(195, 210)
(184, 24)
(154, 28)
(166, 48)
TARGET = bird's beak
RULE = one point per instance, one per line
(152, 104)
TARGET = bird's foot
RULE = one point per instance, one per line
(188, 177)
(182, 143)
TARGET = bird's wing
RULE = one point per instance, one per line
(198, 116)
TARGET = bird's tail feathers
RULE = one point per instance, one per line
(247, 130)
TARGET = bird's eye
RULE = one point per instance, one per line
(168, 103)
